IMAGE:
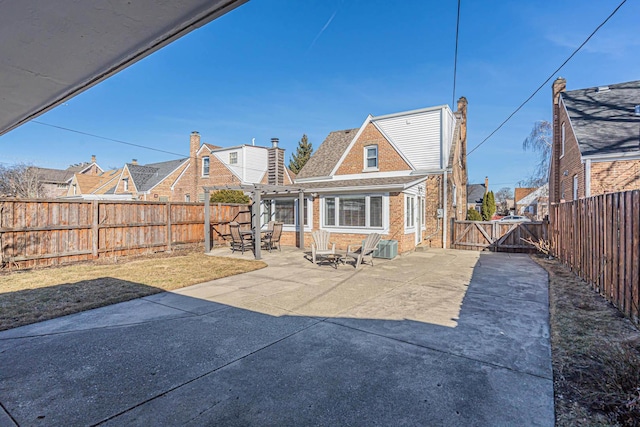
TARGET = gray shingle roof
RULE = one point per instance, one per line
(146, 177)
(366, 183)
(328, 154)
(475, 193)
(604, 120)
(54, 176)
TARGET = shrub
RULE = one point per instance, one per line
(473, 215)
(229, 196)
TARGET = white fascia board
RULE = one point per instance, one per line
(314, 179)
(350, 146)
(180, 176)
(366, 188)
(395, 147)
(369, 175)
(202, 147)
(408, 113)
(612, 157)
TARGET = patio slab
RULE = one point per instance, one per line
(441, 337)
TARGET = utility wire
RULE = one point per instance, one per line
(455, 60)
(549, 78)
(108, 139)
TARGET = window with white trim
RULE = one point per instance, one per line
(353, 211)
(187, 198)
(125, 184)
(562, 135)
(205, 166)
(233, 158)
(575, 187)
(410, 214)
(371, 158)
(455, 195)
(286, 211)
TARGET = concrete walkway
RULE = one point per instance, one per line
(437, 338)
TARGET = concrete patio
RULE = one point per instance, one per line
(440, 337)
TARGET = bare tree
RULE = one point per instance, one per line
(22, 181)
(539, 141)
(502, 200)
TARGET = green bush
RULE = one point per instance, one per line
(473, 215)
(229, 196)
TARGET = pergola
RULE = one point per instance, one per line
(257, 193)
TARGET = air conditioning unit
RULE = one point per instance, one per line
(387, 249)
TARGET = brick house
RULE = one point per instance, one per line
(82, 185)
(56, 182)
(532, 202)
(596, 146)
(182, 180)
(475, 195)
(402, 175)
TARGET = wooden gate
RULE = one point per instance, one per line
(497, 236)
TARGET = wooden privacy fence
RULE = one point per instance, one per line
(45, 232)
(599, 239)
(497, 236)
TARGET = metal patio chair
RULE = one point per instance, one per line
(238, 241)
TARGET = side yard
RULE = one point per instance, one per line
(29, 296)
(596, 354)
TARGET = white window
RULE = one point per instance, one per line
(410, 214)
(285, 211)
(353, 211)
(205, 166)
(371, 157)
(125, 184)
(575, 187)
(187, 197)
(563, 138)
(233, 158)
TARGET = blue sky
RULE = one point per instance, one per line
(276, 68)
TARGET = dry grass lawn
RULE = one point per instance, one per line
(596, 355)
(34, 295)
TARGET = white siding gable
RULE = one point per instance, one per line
(251, 165)
(419, 135)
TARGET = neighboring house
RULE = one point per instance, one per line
(182, 180)
(401, 175)
(475, 195)
(596, 140)
(533, 202)
(56, 182)
(90, 186)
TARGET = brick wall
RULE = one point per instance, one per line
(612, 177)
(388, 157)
(163, 189)
(569, 164)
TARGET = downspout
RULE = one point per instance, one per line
(587, 178)
(444, 215)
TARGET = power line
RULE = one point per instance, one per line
(108, 139)
(549, 78)
(455, 59)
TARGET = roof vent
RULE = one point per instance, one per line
(637, 110)
(602, 89)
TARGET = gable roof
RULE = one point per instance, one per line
(532, 197)
(475, 193)
(53, 176)
(96, 184)
(322, 162)
(145, 177)
(603, 119)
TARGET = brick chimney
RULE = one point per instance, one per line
(559, 86)
(275, 168)
(486, 184)
(462, 110)
(194, 144)
(134, 161)
(93, 158)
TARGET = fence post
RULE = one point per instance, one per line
(207, 222)
(169, 237)
(95, 208)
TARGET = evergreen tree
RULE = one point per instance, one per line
(302, 154)
(473, 215)
(488, 206)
